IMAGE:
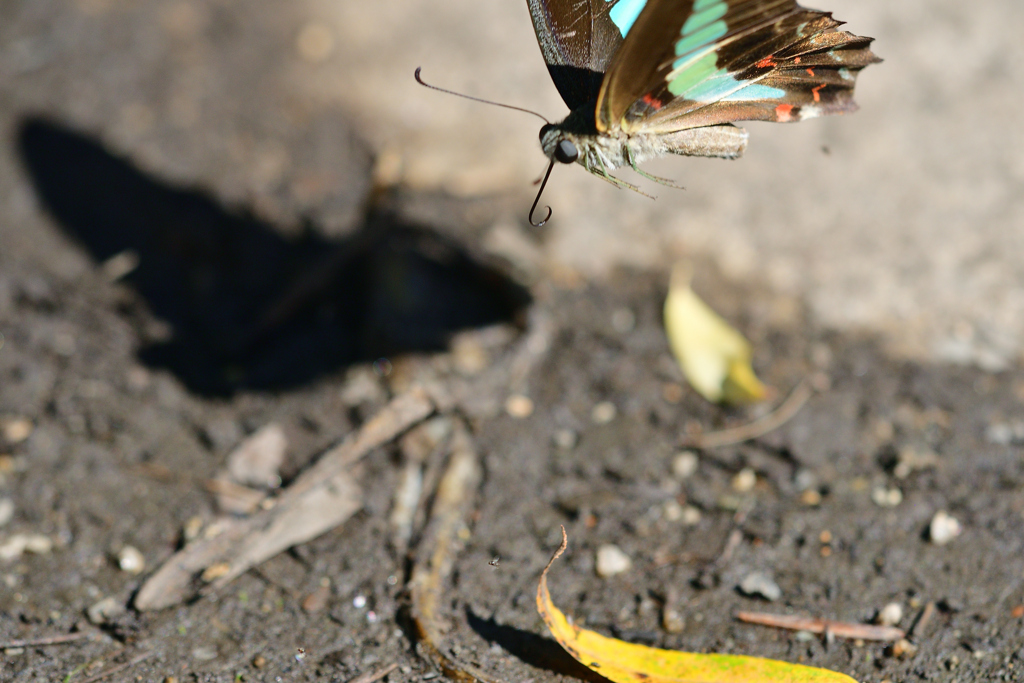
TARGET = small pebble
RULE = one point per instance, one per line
(259, 661)
(943, 528)
(672, 511)
(758, 584)
(890, 615)
(886, 497)
(192, 528)
(684, 465)
(810, 498)
(130, 560)
(257, 460)
(611, 561)
(359, 601)
(6, 510)
(519, 406)
(204, 653)
(565, 439)
(691, 516)
(913, 458)
(903, 648)
(603, 413)
(744, 481)
(672, 621)
(19, 544)
(317, 600)
(17, 429)
(103, 611)
(804, 636)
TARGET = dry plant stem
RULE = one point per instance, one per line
(752, 430)
(120, 667)
(441, 541)
(318, 500)
(51, 640)
(921, 623)
(374, 676)
(841, 629)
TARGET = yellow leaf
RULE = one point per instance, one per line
(623, 662)
(714, 357)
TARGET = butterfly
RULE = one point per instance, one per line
(644, 78)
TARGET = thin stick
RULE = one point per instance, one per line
(120, 667)
(842, 629)
(759, 427)
(51, 640)
(373, 677)
(919, 625)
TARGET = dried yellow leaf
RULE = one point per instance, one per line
(623, 662)
(714, 357)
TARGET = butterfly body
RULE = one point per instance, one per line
(644, 78)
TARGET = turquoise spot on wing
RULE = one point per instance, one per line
(755, 91)
(719, 86)
(699, 20)
(699, 39)
(694, 74)
(704, 4)
(624, 14)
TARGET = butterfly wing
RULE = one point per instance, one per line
(729, 60)
(578, 39)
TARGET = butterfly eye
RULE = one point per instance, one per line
(566, 152)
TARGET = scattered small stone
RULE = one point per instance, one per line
(611, 561)
(804, 636)
(729, 503)
(603, 413)
(317, 600)
(903, 648)
(6, 510)
(671, 620)
(810, 498)
(14, 651)
(912, 459)
(758, 584)
(565, 439)
(825, 536)
(691, 516)
(257, 461)
(259, 661)
(890, 615)
(19, 544)
(204, 653)
(684, 464)
(359, 601)
(886, 497)
(193, 526)
(1017, 612)
(103, 611)
(805, 479)
(672, 511)
(744, 481)
(519, 406)
(623, 320)
(16, 430)
(130, 560)
(943, 528)
(1005, 433)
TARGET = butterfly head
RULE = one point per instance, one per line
(558, 144)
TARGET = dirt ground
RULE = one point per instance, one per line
(194, 244)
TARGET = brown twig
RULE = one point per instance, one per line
(120, 667)
(759, 427)
(841, 629)
(921, 623)
(374, 676)
(50, 640)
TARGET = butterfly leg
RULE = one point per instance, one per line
(658, 179)
(603, 174)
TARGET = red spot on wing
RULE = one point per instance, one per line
(766, 63)
(817, 95)
(784, 113)
(652, 101)
(811, 72)
(796, 60)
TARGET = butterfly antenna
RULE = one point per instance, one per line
(543, 184)
(475, 99)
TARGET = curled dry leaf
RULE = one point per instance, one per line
(714, 357)
(623, 662)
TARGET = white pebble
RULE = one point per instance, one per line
(565, 439)
(691, 516)
(359, 602)
(684, 465)
(890, 615)
(744, 481)
(886, 497)
(131, 560)
(519, 406)
(603, 413)
(944, 528)
(611, 561)
(6, 510)
(104, 610)
(19, 544)
(756, 583)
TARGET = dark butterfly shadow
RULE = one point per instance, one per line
(532, 649)
(246, 307)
